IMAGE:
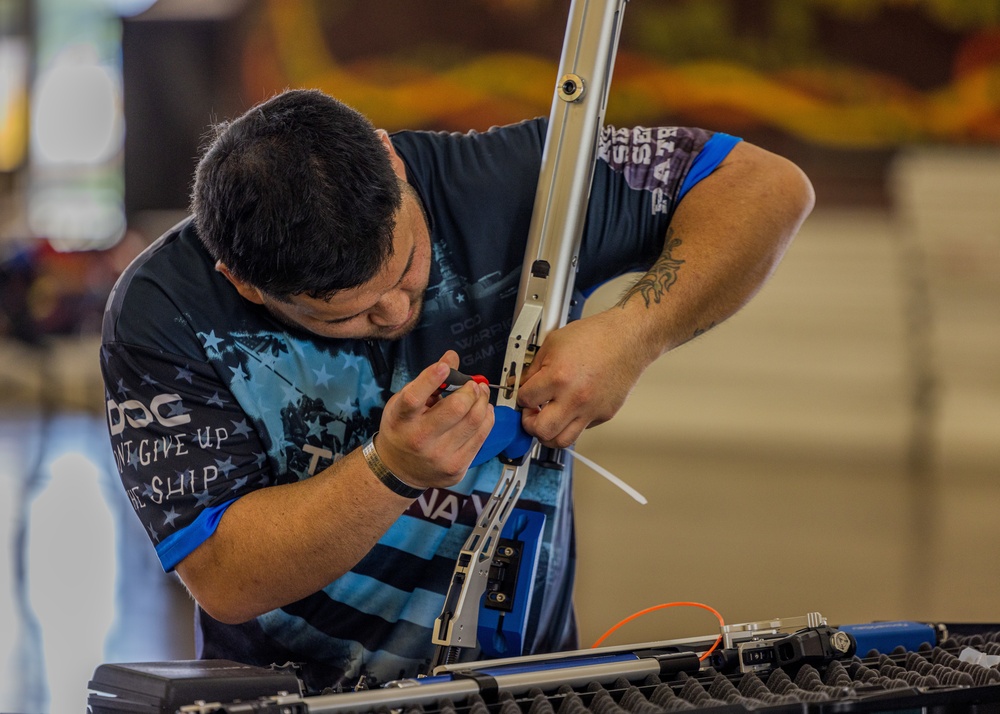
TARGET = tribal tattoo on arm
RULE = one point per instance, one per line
(658, 280)
(660, 277)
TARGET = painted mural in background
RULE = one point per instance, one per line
(837, 85)
(843, 74)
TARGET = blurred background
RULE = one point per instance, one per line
(833, 447)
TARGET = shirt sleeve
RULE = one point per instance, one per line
(184, 449)
(641, 176)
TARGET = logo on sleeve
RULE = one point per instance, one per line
(164, 409)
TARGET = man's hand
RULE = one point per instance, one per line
(427, 440)
(581, 376)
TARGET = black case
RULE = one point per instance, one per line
(164, 687)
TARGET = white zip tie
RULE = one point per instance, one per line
(609, 476)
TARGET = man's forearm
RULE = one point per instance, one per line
(277, 545)
(725, 239)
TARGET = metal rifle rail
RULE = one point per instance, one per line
(487, 681)
(546, 287)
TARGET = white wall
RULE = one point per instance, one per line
(775, 449)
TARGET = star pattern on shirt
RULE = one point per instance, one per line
(352, 361)
(225, 466)
(181, 475)
(290, 392)
(322, 376)
(184, 373)
(372, 392)
(239, 483)
(268, 360)
(240, 428)
(315, 428)
(170, 516)
(211, 341)
(176, 409)
(346, 407)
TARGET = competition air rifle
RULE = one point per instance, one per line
(543, 305)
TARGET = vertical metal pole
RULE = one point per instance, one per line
(546, 286)
(567, 170)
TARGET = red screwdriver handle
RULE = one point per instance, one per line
(456, 379)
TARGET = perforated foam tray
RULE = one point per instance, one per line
(932, 679)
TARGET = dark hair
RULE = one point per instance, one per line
(297, 196)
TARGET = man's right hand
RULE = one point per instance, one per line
(429, 440)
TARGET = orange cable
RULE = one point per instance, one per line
(662, 606)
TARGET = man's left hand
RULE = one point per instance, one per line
(581, 376)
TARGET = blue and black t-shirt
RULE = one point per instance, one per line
(209, 398)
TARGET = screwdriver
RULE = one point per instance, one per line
(456, 379)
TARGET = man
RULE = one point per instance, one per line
(271, 364)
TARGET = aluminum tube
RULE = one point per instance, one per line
(515, 684)
(568, 159)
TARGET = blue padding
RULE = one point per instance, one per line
(180, 544)
(507, 437)
(711, 155)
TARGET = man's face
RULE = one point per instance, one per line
(386, 307)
